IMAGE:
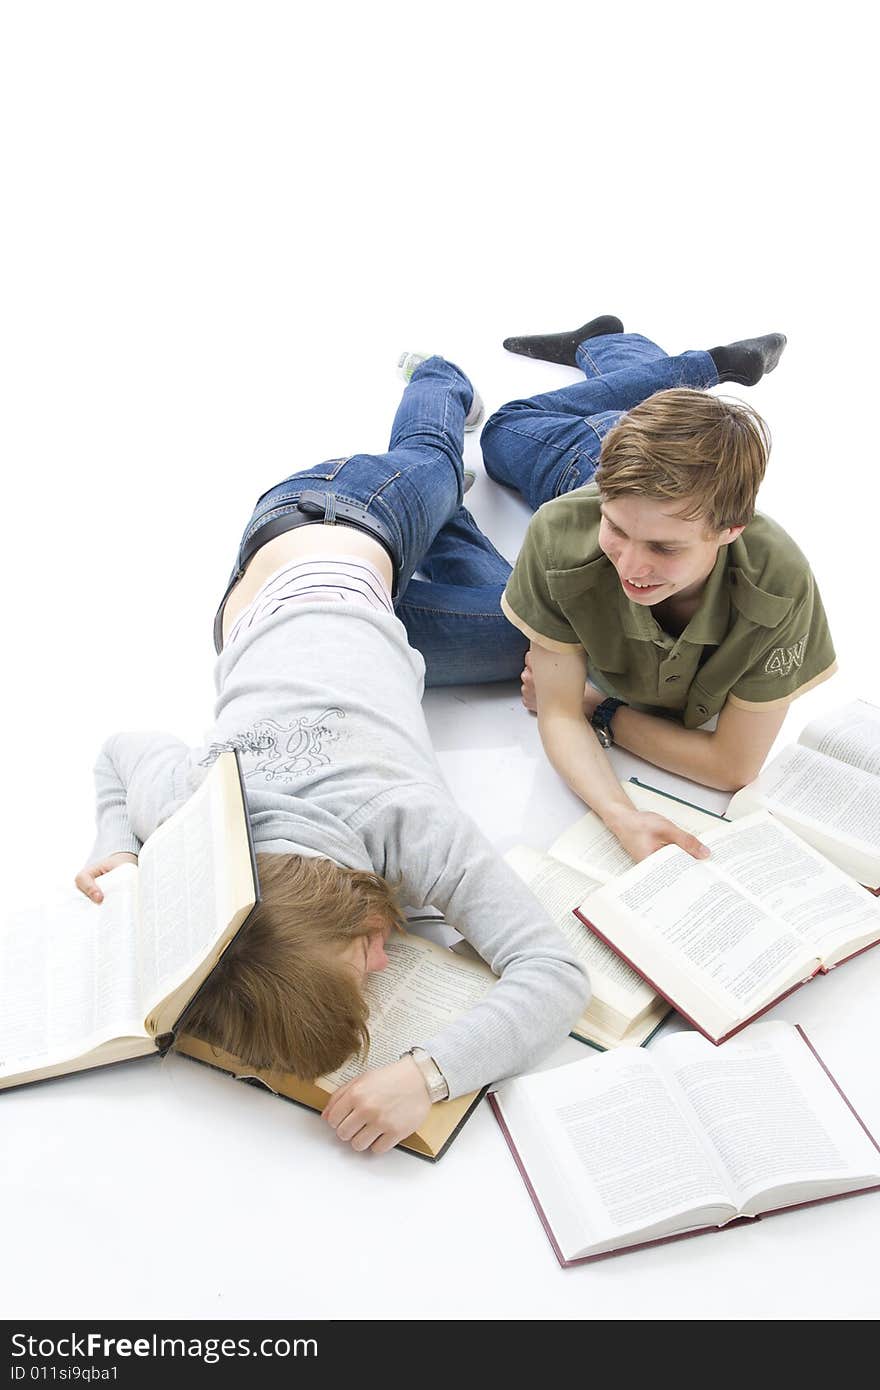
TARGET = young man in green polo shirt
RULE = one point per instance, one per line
(657, 580)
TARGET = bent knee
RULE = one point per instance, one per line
(493, 441)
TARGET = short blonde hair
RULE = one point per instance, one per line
(281, 996)
(708, 452)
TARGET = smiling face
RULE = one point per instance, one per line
(657, 553)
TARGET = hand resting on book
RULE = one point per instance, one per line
(85, 879)
(643, 832)
(379, 1108)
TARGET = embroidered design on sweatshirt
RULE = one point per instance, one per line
(281, 752)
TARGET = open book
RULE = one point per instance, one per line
(827, 788)
(83, 984)
(725, 938)
(623, 1008)
(423, 987)
(636, 1148)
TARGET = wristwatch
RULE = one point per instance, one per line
(435, 1081)
(601, 720)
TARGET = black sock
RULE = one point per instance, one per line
(747, 361)
(562, 347)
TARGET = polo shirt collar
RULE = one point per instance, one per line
(709, 624)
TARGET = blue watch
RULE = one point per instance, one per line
(601, 720)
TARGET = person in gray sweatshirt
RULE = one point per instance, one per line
(320, 691)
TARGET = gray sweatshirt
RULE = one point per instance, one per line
(323, 703)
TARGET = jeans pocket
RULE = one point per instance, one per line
(328, 470)
(291, 487)
(603, 421)
(570, 479)
(386, 482)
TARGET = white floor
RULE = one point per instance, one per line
(162, 1189)
(208, 286)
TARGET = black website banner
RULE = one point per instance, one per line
(133, 1353)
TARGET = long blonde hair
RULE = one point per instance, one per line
(281, 996)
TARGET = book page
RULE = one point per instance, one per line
(706, 944)
(422, 988)
(591, 848)
(692, 818)
(559, 888)
(610, 1154)
(68, 976)
(850, 735)
(180, 915)
(821, 904)
(805, 787)
(770, 1112)
(198, 887)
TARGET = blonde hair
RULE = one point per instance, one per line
(281, 996)
(708, 452)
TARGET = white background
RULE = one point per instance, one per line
(221, 224)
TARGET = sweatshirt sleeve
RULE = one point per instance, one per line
(443, 860)
(139, 778)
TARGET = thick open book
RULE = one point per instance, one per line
(827, 788)
(83, 984)
(725, 938)
(636, 1148)
(622, 1008)
(423, 987)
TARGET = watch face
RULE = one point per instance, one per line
(603, 736)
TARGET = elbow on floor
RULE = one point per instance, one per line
(733, 779)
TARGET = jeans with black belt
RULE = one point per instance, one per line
(410, 500)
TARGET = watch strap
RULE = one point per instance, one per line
(435, 1082)
(601, 719)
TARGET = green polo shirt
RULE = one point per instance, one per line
(758, 639)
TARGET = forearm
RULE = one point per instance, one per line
(441, 859)
(113, 833)
(542, 990)
(542, 987)
(575, 752)
(526, 1016)
(694, 753)
(138, 779)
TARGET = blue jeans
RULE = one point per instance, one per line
(413, 495)
(550, 444)
(542, 447)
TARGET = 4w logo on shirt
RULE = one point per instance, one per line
(783, 660)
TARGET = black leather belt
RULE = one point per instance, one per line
(310, 508)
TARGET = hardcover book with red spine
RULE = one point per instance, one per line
(632, 1148)
(726, 938)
